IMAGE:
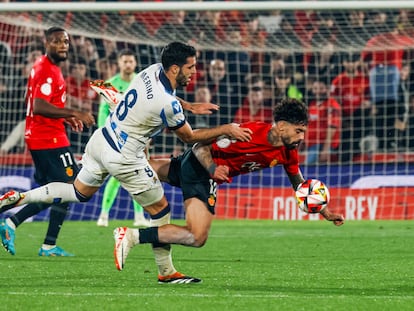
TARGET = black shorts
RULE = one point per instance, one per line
(193, 179)
(54, 165)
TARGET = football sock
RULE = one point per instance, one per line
(55, 192)
(10, 223)
(162, 252)
(57, 216)
(47, 247)
(109, 194)
(27, 212)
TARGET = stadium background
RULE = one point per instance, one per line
(376, 185)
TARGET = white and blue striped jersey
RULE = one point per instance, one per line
(146, 108)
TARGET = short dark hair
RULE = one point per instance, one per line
(291, 110)
(127, 52)
(176, 53)
(51, 30)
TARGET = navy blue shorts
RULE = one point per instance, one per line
(54, 165)
(193, 179)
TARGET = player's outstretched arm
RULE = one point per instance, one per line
(233, 131)
(198, 108)
(337, 219)
(72, 116)
(219, 173)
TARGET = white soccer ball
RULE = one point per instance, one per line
(312, 196)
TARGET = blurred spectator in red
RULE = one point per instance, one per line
(324, 127)
(174, 29)
(351, 89)
(306, 23)
(152, 20)
(80, 97)
(384, 53)
(254, 106)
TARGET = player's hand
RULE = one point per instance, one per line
(239, 133)
(337, 219)
(221, 174)
(75, 124)
(203, 108)
(85, 117)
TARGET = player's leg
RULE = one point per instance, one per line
(139, 217)
(58, 214)
(51, 165)
(108, 199)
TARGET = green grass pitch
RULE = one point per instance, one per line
(245, 265)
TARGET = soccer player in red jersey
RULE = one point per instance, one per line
(200, 168)
(46, 137)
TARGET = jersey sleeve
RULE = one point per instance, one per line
(173, 115)
(292, 164)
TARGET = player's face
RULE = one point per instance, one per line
(127, 64)
(57, 47)
(292, 135)
(186, 72)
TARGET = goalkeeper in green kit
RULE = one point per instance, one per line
(127, 64)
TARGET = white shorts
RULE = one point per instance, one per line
(135, 175)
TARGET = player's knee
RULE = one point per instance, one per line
(199, 239)
(82, 198)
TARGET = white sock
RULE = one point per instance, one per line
(163, 258)
(10, 224)
(55, 192)
(48, 247)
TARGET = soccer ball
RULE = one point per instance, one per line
(312, 196)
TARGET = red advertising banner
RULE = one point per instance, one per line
(280, 204)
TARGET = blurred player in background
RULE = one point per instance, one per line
(200, 168)
(47, 140)
(119, 148)
(127, 64)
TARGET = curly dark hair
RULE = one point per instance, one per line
(291, 110)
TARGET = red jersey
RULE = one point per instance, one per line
(257, 154)
(387, 49)
(80, 90)
(46, 82)
(327, 114)
(351, 91)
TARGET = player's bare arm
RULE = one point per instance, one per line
(203, 155)
(42, 107)
(198, 108)
(337, 219)
(296, 180)
(234, 131)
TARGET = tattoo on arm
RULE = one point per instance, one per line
(203, 155)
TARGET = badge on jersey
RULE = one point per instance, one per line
(176, 107)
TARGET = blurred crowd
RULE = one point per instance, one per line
(354, 69)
